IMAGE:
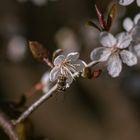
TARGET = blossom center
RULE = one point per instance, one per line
(65, 62)
(115, 50)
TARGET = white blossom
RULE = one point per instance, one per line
(68, 66)
(114, 51)
(67, 40)
(16, 48)
(37, 2)
(135, 48)
(128, 2)
(45, 81)
(133, 27)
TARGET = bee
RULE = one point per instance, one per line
(61, 82)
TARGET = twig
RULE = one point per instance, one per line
(8, 127)
(92, 63)
(35, 105)
(42, 99)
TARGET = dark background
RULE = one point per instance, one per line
(99, 109)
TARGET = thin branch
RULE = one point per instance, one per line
(8, 127)
(42, 99)
(35, 105)
(92, 63)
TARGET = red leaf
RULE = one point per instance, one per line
(101, 18)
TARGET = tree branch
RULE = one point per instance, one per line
(41, 100)
(8, 127)
(35, 105)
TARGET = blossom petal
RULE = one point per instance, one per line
(73, 56)
(136, 34)
(100, 54)
(79, 65)
(59, 59)
(45, 80)
(123, 40)
(128, 24)
(138, 2)
(137, 49)
(137, 19)
(107, 39)
(114, 65)
(131, 48)
(125, 2)
(128, 58)
(55, 72)
(69, 80)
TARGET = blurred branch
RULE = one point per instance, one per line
(8, 127)
(41, 100)
(35, 105)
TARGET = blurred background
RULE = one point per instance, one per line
(97, 109)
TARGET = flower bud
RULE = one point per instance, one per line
(38, 51)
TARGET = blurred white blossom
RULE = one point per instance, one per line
(133, 27)
(135, 48)
(37, 2)
(69, 66)
(67, 40)
(114, 51)
(16, 48)
(128, 2)
(45, 80)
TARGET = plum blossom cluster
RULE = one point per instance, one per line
(123, 48)
(114, 51)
